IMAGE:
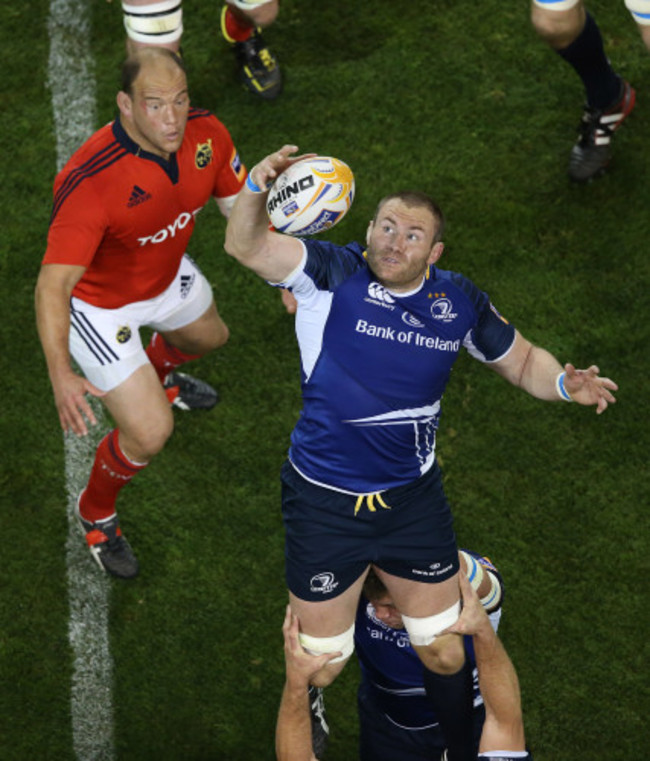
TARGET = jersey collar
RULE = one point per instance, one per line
(428, 275)
(169, 167)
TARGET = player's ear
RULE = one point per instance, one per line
(436, 252)
(368, 231)
(124, 103)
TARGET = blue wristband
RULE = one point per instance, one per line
(560, 388)
(252, 186)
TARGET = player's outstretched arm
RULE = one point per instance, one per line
(248, 238)
(53, 290)
(537, 371)
(504, 727)
(293, 740)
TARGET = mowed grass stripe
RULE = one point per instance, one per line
(72, 85)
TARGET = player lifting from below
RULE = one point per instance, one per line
(379, 328)
(395, 719)
(124, 209)
(502, 737)
(160, 23)
(573, 33)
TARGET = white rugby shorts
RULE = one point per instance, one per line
(106, 343)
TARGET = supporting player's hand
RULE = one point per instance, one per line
(264, 173)
(71, 403)
(301, 666)
(473, 619)
(587, 387)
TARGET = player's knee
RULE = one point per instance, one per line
(148, 440)
(259, 13)
(212, 334)
(645, 35)
(220, 336)
(209, 340)
(559, 23)
(341, 643)
(156, 23)
(445, 655)
(640, 10)
(154, 441)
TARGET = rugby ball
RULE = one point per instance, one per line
(312, 195)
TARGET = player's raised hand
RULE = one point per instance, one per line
(269, 168)
(588, 388)
(71, 403)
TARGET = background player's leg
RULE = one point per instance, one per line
(240, 26)
(575, 36)
(144, 422)
(153, 22)
(169, 350)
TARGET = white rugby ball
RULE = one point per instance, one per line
(311, 196)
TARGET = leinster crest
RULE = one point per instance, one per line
(203, 154)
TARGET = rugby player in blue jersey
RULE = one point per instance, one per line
(379, 328)
(395, 722)
(395, 718)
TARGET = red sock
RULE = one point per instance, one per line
(111, 471)
(237, 29)
(164, 357)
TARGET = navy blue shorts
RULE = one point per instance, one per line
(331, 537)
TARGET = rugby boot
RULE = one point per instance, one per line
(185, 392)
(108, 546)
(590, 155)
(258, 69)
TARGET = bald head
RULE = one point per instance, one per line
(159, 60)
(154, 102)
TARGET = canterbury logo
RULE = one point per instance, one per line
(138, 195)
(378, 292)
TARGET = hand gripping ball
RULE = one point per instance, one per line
(311, 196)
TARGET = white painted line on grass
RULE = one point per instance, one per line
(72, 83)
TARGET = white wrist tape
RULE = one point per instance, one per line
(561, 390)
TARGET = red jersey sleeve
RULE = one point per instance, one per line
(77, 227)
(231, 173)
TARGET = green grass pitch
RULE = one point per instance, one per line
(460, 100)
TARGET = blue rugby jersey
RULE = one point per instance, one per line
(393, 673)
(375, 365)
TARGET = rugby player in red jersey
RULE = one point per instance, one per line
(124, 210)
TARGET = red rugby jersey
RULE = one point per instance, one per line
(127, 215)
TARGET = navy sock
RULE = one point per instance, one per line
(452, 699)
(587, 56)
